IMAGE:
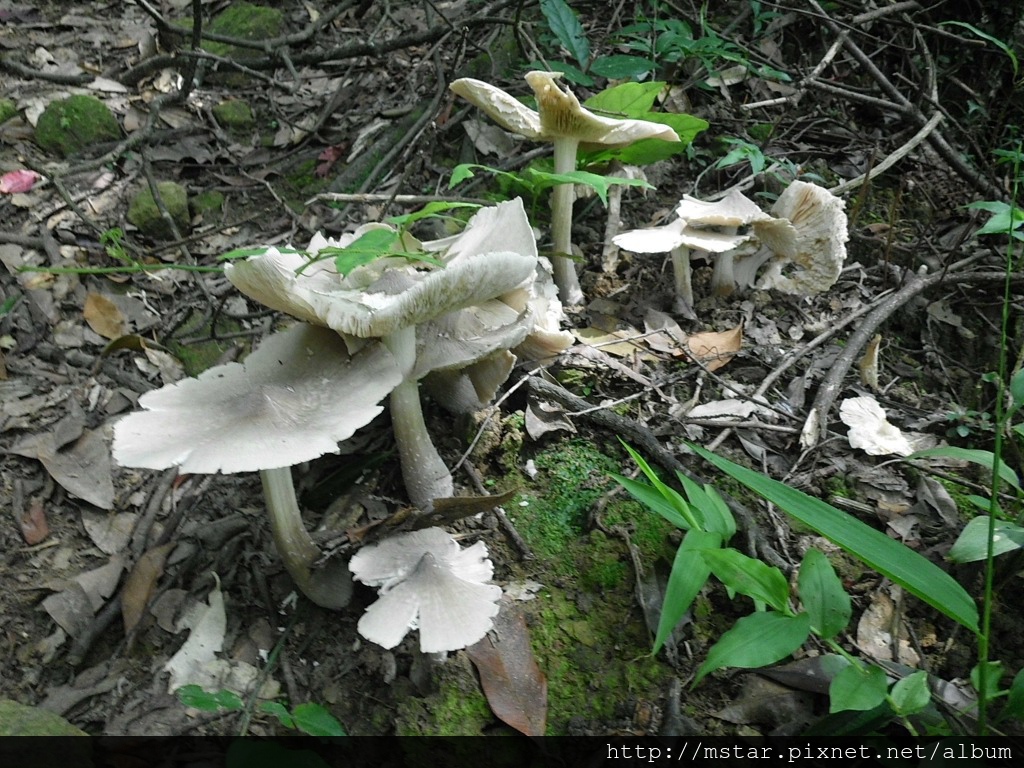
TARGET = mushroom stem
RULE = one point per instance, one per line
(330, 586)
(561, 224)
(683, 281)
(723, 279)
(424, 471)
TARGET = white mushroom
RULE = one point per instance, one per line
(724, 217)
(294, 399)
(390, 301)
(561, 120)
(809, 257)
(427, 582)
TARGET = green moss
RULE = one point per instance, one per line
(235, 115)
(70, 125)
(301, 183)
(458, 708)
(144, 214)
(20, 720)
(594, 659)
(8, 109)
(207, 203)
(197, 357)
(244, 21)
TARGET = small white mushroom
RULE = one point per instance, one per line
(561, 120)
(724, 217)
(294, 399)
(427, 582)
(809, 256)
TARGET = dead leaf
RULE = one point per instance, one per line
(770, 703)
(110, 533)
(141, 582)
(34, 527)
(70, 608)
(104, 317)
(84, 469)
(715, 348)
(542, 418)
(512, 681)
(18, 181)
(875, 630)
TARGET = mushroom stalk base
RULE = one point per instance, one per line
(561, 225)
(330, 586)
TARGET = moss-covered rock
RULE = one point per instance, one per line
(70, 125)
(234, 115)
(144, 214)
(21, 720)
(8, 109)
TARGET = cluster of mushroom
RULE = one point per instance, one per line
(803, 237)
(364, 336)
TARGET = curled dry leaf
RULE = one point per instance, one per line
(513, 683)
(34, 527)
(141, 582)
(715, 348)
(104, 317)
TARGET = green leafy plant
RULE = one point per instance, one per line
(309, 718)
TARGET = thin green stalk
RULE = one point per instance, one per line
(1001, 418)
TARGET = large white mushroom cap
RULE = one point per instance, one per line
(427, 582)
(292, 400)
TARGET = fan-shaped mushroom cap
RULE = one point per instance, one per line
(733, 210)
(558, 115)
(292, 400)
(427, 582)
(678, 234)
(810, 259)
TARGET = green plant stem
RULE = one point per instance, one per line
(127, 269)
(561, 224)
(1001, 419)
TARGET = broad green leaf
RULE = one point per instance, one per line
(973, 455)
(632, 100)
(911, 694)
(690, 572)
(915, 573)
(567, 28)
(750, 577)
(858, 687)
(757, 640)
(653, 498)
(995, 674)
(208, 701)
(600, 184)
(1016, 392)
(621, 66)
(823, 596)
(313, 720)
(278, 710)
(430, 209)
(1014, 706)
(972, 543)
(367, 248)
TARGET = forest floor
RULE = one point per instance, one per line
(351, 99)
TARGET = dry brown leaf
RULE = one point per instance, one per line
(141, 582)
(512, 681)
(869, 363)
(34, 527)
(104, 317)
(715, 348)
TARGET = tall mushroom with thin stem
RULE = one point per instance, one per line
(294, 399)
(561, 120)
(388, 302)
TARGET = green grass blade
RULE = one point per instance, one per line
(913, 572)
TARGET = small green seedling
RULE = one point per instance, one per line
(309, 718)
